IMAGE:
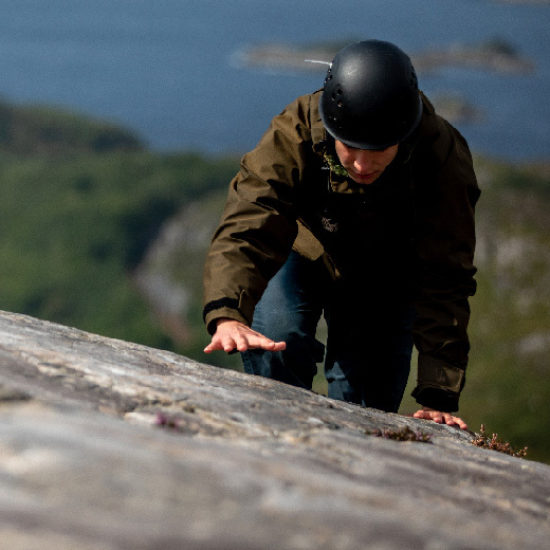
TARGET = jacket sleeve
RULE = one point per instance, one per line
(445, 270)
(258, 225)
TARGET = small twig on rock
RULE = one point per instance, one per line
(496, 444)
(168, 422)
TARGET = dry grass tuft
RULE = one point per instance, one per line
(496, 444)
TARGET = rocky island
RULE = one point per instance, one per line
(493, 55)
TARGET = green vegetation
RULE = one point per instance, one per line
(43, 130)
(509, 380)
(84, 204)
(74, 223)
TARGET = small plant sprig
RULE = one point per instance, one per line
(173, 422)
(496, 444)
(403, 434)
(335, 166)
(168, 422)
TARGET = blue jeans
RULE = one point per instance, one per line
(369, 342)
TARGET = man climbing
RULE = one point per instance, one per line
(357, 204)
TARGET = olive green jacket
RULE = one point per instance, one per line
(271, 209)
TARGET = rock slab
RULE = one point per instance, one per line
(106, 444)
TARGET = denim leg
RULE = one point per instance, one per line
(289, 310)
(369, 353)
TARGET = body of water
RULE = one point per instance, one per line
(164, 67)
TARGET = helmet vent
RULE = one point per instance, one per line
(335, 95)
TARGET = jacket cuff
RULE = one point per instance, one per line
(439, 384)
(240, 310)
(437, 399)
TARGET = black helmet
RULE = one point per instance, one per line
(371, 99)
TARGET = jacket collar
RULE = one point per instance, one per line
(319, 136)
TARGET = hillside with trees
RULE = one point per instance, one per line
(77, 218)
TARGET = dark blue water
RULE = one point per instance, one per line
(164, 67)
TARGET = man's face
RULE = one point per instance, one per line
(363, 165)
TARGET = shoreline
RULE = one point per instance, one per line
(494, 55)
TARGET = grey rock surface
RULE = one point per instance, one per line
(107, 445)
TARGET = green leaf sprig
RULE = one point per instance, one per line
(334, 165)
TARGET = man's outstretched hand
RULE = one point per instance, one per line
(233, 335)
(440, 417)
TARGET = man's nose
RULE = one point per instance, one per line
(364, 162)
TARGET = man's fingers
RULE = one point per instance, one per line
(456, 421)
(220, 344)
(429, 415)
(213, 346)
(231, 336)
(258, 341)
(241, 343)
(441, 418)
(229, 342)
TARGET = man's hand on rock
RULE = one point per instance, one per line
(440, 417)
(233, 335)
